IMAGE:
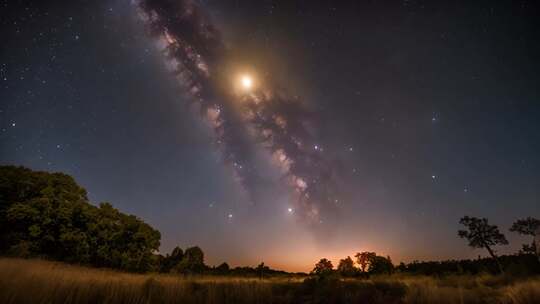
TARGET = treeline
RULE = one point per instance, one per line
(481, 234)
(48, 215)
(191, 261)
(519, 264)
(478, 232)
(369, 263)
(365, 264)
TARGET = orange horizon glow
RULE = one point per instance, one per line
(306, 261)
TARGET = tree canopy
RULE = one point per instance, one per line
(49, 215)
(363, 259)
(528, 226)
(346, 267)
(323, 267)
(481, 234)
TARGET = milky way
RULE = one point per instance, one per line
(197, 56)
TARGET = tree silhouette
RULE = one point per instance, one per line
(481, 234)
(529, 226)
(364, 258)
(323, 267)
(346, 267)
(379, 264)
(223, 268)
(261, 270)
(170, 261)
(193, 261)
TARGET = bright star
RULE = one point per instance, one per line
(247, 82)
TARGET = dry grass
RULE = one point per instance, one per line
(471, 289)
(34, 281)
(524, 292)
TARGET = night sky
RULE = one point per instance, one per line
(426, 112)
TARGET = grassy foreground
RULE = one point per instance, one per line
(35, 281)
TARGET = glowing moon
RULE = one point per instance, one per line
(247, 82)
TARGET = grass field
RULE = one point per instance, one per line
(36, 281)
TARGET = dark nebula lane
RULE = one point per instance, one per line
(198, 57)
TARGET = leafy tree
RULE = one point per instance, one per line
(529, 226)
(380, 265)
(481, 234)
(346, 267)
(364, 258)
(223, 268)
(122, 241)
(401, 267)
(47, 192)
(170, 261)
(193, 261)
(48, 214)
(323, 267)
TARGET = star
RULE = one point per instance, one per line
(247, 82)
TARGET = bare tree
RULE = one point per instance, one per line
(481, 234)
(529, 226)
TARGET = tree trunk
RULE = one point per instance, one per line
(495, 258)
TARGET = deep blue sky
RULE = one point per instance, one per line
(430, 112)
